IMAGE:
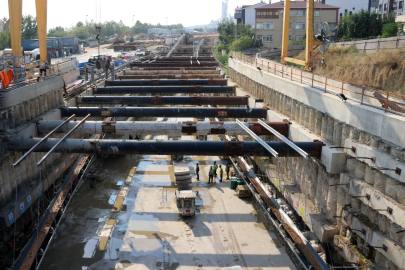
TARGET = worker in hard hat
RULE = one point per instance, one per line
(211, 175)
(221, 172)
(215, 169)
(197, 171)
(227, 169)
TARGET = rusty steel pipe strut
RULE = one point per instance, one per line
(128, 147)
(220, 82)
(164, 89)
(174, 68)
(163, 100)
(174, 71)
(197, 112)
(187, 58)
(170, 76)
(176, 64)
(164, 128)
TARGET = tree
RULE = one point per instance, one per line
(4, 24)
(80, 32)
(242, 43)
(58, 31)
(5, 40)
(29, 27)
(390, 29)
(79, 24)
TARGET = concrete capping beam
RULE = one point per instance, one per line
(394, 253)
(377, 200)
(382, 160)
(334, 160)
(31, 91)
(388, 126)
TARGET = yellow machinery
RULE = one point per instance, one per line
(15, 12)
(310, 38)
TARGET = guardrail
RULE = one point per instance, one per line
(365, 95)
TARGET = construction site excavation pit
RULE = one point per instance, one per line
(130, 221)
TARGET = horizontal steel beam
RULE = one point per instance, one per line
(164, 128)
(220, 82)
(162, 100)
(176, 59)
(176, 64)
(164, 89)
(177, 71)
(198, 112)
(128, 147)
(170, 76)
(174, 68)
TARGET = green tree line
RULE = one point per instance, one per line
(365, 24)
(80, 30)
(245, 36)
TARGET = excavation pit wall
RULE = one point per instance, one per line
(25, 106)
(316, 189)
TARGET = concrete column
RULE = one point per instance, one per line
(318, 123)
(369, 175)
(5, 187)
(359, 170)
(41, 104)
(2, 128)
(330, 128)
(36, 107)
(331, 202)
(401, 194)
(312, 119)
(22, 112)
(297, 111)
(374, 141)
(293, 108)
(345, 134)
(354, 134)
(17, 118)
(380, 181)
(322, 188)
(11, 118)
(302, 114)
(391, 188)
(306, 116)
(337, 133)
(4, 119)
(324, 130)
(280, 103)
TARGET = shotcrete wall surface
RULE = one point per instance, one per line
(345, 197)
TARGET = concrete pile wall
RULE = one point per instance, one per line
(359, 226)
(371, 45)
(20, 187)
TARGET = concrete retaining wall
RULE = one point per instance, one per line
(311, 186)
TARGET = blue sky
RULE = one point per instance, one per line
(188, 12)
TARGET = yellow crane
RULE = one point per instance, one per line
(15, 12)
(310, 38)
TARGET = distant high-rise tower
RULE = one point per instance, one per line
(224, 10)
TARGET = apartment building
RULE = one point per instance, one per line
(352, 6)
(247, 13)
(269, 21)
(385, 7)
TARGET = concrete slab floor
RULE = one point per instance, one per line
(136, 224)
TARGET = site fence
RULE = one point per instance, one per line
(383, 100)
(371, 45)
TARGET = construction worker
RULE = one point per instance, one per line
(43, 68)
(215, 169)
(210, 175)
(227, 169)
(197, 172)
(221, 172)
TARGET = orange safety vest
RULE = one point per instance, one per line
(4, 78)
(11, 75)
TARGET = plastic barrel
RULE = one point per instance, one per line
(234, 183)
(240, 182)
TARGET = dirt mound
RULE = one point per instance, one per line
(384, 69)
